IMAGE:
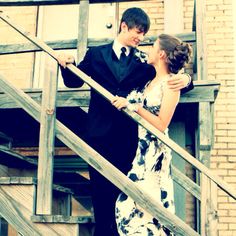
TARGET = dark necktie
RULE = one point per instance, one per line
(123, 56)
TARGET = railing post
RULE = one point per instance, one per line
(83, 29)
(46, 140)
(201, 42)
(208, 211)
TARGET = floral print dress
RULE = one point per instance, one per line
(151, 171)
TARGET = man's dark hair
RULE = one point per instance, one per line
(136, 18)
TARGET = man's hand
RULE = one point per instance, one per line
(64, 59)
(178, 81)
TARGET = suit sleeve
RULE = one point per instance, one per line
(150, 74)
(70, 79)
(188, 88)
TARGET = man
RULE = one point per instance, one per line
(119, 67)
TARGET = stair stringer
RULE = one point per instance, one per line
(17, 207)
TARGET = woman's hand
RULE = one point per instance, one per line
(64, 59)
(120, 102)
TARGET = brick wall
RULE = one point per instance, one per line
(155, 10)
(18, 68)
(221, 58)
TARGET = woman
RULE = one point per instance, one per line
(151, 166)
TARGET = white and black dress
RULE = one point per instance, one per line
(151, 171)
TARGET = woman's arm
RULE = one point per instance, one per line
(169, 102)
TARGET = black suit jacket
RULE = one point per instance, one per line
(104, 120)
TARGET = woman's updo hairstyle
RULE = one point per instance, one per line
(177, 52)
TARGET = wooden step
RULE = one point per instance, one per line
(71, 172)
(74, 183)
(30, 181)
(14, 160)
(5, 141)
(61, 195)
(73, 118)
(17, 205)
(62, 162)
(62, 219)
(86, 223)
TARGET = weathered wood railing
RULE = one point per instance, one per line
(104, 167)
(48, 2)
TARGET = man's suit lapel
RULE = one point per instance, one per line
(107, 57)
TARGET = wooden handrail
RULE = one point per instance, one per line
(106, 94)
(50, 2)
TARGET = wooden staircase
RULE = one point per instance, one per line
(71, 211)
(75, 209)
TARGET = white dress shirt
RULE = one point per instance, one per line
(117, 48)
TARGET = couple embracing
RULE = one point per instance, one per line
(150, 86)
